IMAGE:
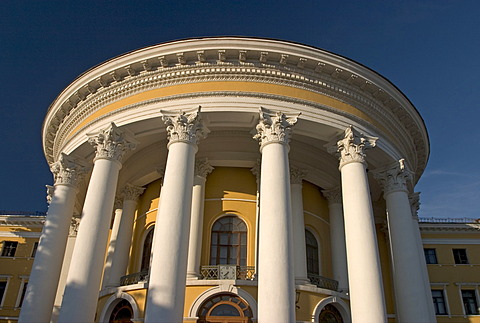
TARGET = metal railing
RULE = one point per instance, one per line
(323, 282)
(448, 220)
(240, 273)
(134, 278)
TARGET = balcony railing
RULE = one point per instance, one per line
(134, 278)
(228, 272)
(323, 282)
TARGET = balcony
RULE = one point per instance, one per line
(135, 278)
(227, 272)
(323, 282)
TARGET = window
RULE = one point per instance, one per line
(330, 314)
(122, 313)
(9, 248)
(3, 288)
(34, 250)
(439, 302)
(460, 256)
(312, 253)
(229, 242)
(470, 302)
(225, 307)
(22, 294)
(147, 250)
(430, 256)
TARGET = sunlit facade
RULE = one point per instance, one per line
(250, 180)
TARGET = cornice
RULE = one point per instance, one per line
(450, 227)
(227, 59)
(22, 221)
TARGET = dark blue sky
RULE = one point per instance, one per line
(429, 49)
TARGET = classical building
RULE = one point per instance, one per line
(250, 180)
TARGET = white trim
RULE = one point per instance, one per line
(145, 214)
(316, 216)
(230, 199)
(113, 301)
(451, 241)
(19, 295)
(192, 313)
(7, 279)
(339, 304)
(20, 234)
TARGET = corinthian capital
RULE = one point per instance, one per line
(352, 147)
(202, 167)
(394, 178)
(184, 127)
(67, 170)
(297, 174)
(112, 143)
(414, 199)
(131, 192)
(333, 196)
(50, 190)
(274, 128)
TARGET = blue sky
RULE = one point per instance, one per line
(428, 49)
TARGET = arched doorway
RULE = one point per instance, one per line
(330, 314)
(122, 313)
(224, 308)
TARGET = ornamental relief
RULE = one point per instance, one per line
(183, 127)
(352, 147)
(274, 128)
(112, 143)
(131, 86)
(394, 178)
(67, 171)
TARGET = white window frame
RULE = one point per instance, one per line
(7, 279)
(19, 295)
(471, 286)
(319, 243)
(434, 286)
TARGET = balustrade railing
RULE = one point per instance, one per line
(323, 282)
(228, 272)
(134, 278)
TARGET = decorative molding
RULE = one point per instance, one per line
(333, 196)
(414, 199)
(50, 190)
(132, 192)
(67, 170)
(74, 223)
(184, 127)
(452, 241)
(202, 167)
(20, 234)
(394, 178)
(274, 128)
(112, 143)
(256, 170)
(351, 148)
(297, 174)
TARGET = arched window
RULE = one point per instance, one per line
(229, 242)
(121, 313)
(312, 253)
(224, 307)
(147, 250)
(330, 314)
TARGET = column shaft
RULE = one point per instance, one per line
(276, 287)
(88, 257)
(117, 217)
(408, 278)
(299, 246)
(364, 271)
(166, 292)
(38, 302)
(196, 228)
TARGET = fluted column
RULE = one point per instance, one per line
(364, 271)
(121, 237)
(299, 248)
(166, 289)
(202, 169)
(276, 285)
(408, 278)
(84, 276)
(40, 295)
(337, 237)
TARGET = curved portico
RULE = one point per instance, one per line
(310, 100)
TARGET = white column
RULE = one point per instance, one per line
(364, 272)
(40, 295)
(117, 215)
(337, 237)
(298, 223)
(85, 273)
(256, 171)
(121, 237)
(67, 259)
(276, 285)
(202, 169)
(414, 199)
(408, 278)
(166, 289)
